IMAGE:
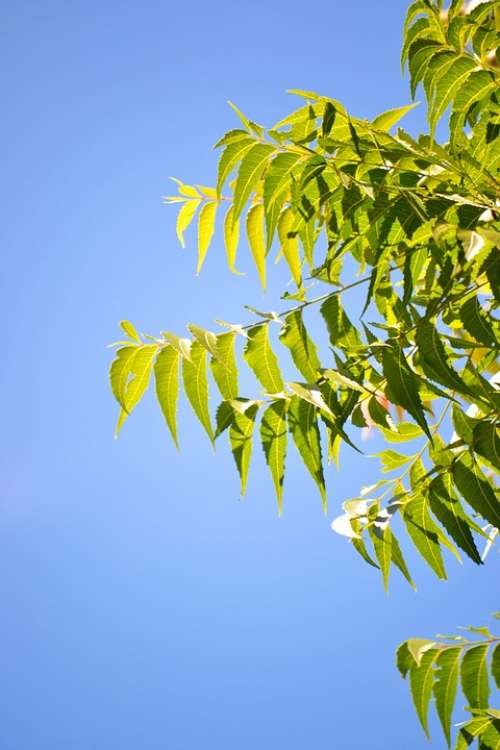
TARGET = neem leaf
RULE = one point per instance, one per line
(167, 386)
(290, 245)
(206, 228)
(231, 239)
(390, 117)
(303, 425)
(194, 375)
(240, 437)
(382, 546)
(262, 360)
(340, 329)
(403, 385)
(486, 442)
(477, 323)
(450, 513)
(302, 348)
(445, 686)
(232, 154)
(424, 534)
(474, 676)
(119, 372)
(223, 366)
(250, 171)
(433, 354)
(273, 435)
(476, 490)
(185, 217)
(130, 330)
(140, 369)
(495, 665)
(255, 234)
(421, 680)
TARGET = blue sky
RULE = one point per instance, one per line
(143, 605)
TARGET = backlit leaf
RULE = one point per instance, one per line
(194, 375)
(273, 435)
(262, 360)
(167, 386)
(303, 426)
(255, 234)
(302, 348)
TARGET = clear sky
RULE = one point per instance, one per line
(143, 605)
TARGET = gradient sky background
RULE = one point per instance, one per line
(143, 606)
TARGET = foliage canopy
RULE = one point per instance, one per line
(419, 222)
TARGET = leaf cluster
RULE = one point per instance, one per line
(439, 668)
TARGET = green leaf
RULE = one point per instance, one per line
(470, 730)
(231, 239)
(340, 329)
(194, 375)
(477, 86)
(262, 360)
(240, 436)
(255, 234)
(206, 228)
(274, 442)
(418, 647)
(424, 534)
(290, 245)
(251, 168)
(392, 460)
(224, 416)
(421, 680)
(387, 119)
(303, 426)
(302, 348)
(434, 355)
(231, 137)
(445, 687)
(495, 665)
(167, 386)
(140, 369)
(128, 328)
(278, 177)
(399, 561)
(403, 385)
(404, 431)
(474, 676)
(476, 489)
(232, 154)
(477, 323)
(185, 217)
(404, 659)
(207, 339)
(119, 372)
(181, 345)
(382, 545)
(486, 442)
(447, 85)
(449, 512)
(223, 366)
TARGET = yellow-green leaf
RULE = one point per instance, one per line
(255, 234)
(194, 375)
(290, 245)
(140, 369)
(262, 360)
(185, 217)
(206, 227)
(224, 367)
(167, 386)
(231, 239)
(274, 442)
